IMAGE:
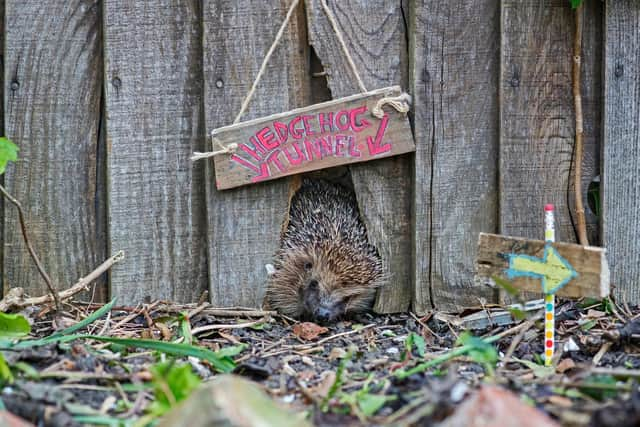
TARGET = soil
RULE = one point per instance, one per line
(333, 371)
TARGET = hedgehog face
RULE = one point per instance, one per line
(323, 282)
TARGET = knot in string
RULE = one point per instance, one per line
(231, 148)
(402, 103)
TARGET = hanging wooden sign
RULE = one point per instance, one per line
(563, 269)
(354, 129)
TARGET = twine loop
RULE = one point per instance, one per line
(224, 149)
(402, 103)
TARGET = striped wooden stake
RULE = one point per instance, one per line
(549, 300)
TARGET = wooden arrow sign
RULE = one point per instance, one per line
(333, 133)
(563, 269)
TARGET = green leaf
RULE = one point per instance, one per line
(588, 325)
(575, 3)
(599, 387)
(185, 328)
(539, 371)
(417, 341)
(5, 373)
(369, 404)
(517, 313)
(480, 351)
(506, 285)
(218, 359)
(232, 350)
(8, 153)
(178, 380)
(13, 325)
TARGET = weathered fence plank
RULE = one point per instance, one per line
(375, 34)
(156, 214)
(537, 114)
(244, 223)
(454, 67)
(53, 76)
(621, 149)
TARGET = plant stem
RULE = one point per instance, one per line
(577, 99)
(32, 252)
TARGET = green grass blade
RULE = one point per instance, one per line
(220, 362)
(86, 322)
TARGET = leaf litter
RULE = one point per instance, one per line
(133, 366)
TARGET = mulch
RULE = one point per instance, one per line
(324, 370)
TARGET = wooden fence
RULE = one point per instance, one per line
(108, 99)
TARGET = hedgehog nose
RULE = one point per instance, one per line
(323, 314)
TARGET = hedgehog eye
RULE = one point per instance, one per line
(307, 266)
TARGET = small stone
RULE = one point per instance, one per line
(393, 350)
(337, 353)
(570, 345)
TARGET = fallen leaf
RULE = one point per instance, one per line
(563, 402)
(565, 365)
(308, 330)
(490, 404)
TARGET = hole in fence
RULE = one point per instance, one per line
(593, 196)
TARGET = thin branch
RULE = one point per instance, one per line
(32, 252)
(15, 299)
(577, 99)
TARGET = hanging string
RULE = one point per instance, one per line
(400, 103)
(265, 61)
(345, 50)
(231, 148)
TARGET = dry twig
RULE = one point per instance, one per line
(32, 252)
(577, 99)
(15, 296)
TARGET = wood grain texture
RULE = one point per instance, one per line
(376, 35)
(244, 224)
(537, 114)
(454, 67)
(52, 76)
(621, 147)
(154, 122)
(333, 133)
(589, 262)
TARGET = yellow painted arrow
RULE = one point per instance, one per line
(553, 270)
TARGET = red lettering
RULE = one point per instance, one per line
(312, 149)
(376, 145)
(264, 173)
(267, 139)
(353, 148)
(340, 123)
(326, 121)
(281, 130)
(273, 157)
(340, 145)
(325, 145)
(245, 163)
(307, 127)
(296, 133)
(250, 151)
(353, 118)
(299, 157)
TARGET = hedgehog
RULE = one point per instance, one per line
(325, 268)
